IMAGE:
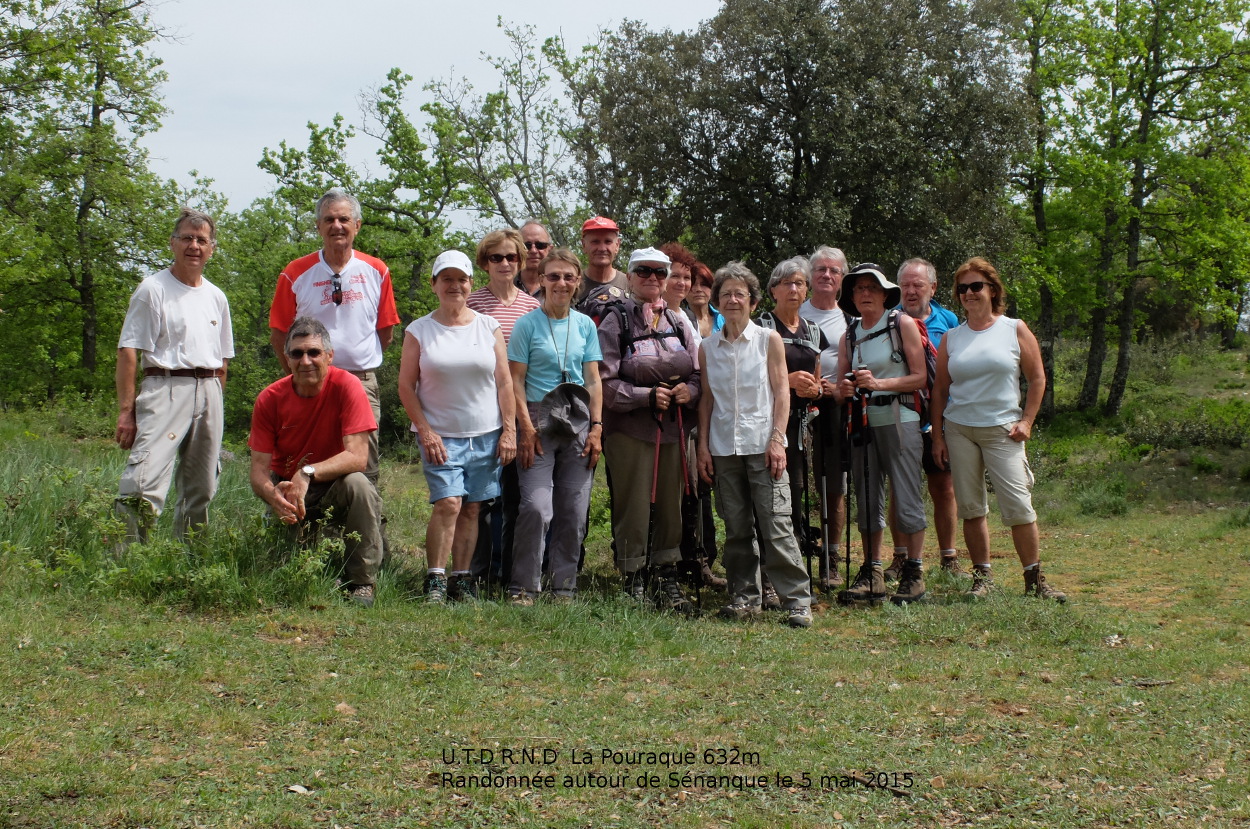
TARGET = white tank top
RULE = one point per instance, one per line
(457, 387)
(984, 367)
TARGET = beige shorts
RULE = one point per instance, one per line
(976, 450)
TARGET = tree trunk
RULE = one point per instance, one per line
(1128, 324)
(1046, 335)
(1088, 398)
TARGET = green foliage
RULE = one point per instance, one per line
(1198, 423)
(1103, 498)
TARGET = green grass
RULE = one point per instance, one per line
(170, 689)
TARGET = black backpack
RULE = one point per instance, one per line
(628, 337)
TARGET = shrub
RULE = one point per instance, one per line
(1104, 497)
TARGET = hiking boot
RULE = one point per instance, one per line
(910, 585)
(982, 582)
(1035, 585)
(521, 599)
(799, 617)
(636, 585)
(769, 598)
(667, 594)
(831, 579)
(710, 579)
(950, 563)
(895, 571)
(739, 612)
(462, 588)
(869, 586)
(436, 589)
(361, 594)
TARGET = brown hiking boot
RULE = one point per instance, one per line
(910, 585)
(895, 571)
(950, 563)
(667, 596)
(869, 586)
(1035, 585)
(832, 578)
(982, 582)
(770, 600)
(710, 579)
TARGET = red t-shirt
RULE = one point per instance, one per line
(302, 430)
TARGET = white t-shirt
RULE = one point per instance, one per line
(833, 323)
(984, 368)
(457, 387)
(176, 326)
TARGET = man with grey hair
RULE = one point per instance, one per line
(349, 292)
(179, 323)
(537, 243)
(829, 436)
(310, 445)
(917, 279)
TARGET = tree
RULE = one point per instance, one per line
(77, 187)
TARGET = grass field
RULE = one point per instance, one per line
(228, 687)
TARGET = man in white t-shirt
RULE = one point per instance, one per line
(828, 267)
(178, 325)
(348, 292)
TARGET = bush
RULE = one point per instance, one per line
(1103, 498)
(1205, 422)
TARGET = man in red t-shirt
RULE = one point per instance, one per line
(310, 446)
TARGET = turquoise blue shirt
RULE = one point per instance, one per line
(545, 344)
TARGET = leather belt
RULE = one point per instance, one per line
(202, 373)
(363, 375)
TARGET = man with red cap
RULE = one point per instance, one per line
(602, 284)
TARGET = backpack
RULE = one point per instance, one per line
(628, 337)
(920, 398)
(812, 340)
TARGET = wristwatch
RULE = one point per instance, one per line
(310, 471)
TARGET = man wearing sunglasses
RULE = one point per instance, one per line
(917, 278)
(349, 292)
(602, 284)
(537, 245)
(310, 446)
(178, 323)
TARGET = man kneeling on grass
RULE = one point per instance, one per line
(310, 447)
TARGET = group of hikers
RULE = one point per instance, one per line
(667, 369)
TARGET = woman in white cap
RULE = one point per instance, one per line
(455, 385)
(650, 372)
(881, 363)
(554, 356)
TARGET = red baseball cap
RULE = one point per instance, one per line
(599, 223)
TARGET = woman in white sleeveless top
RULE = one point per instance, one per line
(980, 426)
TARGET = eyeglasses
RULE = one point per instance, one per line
(792, 283)
(188, 238)
(496, 258)
(556, 277)
(834, 269)
(337, 295)
(299, 353)
(537, 245)
(975, 287)
(740, 296)
(645, 272)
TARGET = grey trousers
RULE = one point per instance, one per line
(558, 476)
(180, 420)
(744, 491)
(354, 505)
(896, 456)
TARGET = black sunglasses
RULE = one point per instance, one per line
(337, 296)
(537, 245)
(645, 272)
(496, 258)
(975, 287)
(299, 353)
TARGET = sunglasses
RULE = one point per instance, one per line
(975, 287)
(299, 353)
(537, 245)
(337, 295)
(556, 277)
(644, 272)
(496, 258)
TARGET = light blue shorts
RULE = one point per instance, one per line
(471, 471)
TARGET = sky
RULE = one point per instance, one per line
(245, 75)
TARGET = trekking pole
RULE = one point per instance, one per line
(847, 476)
(688, 492)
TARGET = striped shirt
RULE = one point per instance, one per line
(484, 302)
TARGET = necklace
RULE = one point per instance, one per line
(564, 375)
